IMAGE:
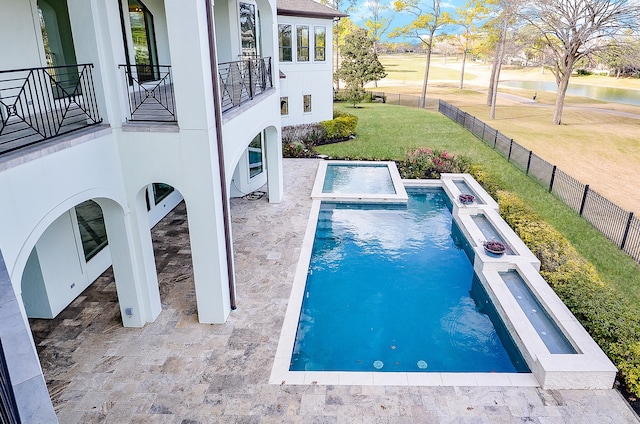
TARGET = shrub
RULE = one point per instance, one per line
(370, 97)
(428, 163)
(296, 149)
(299, 140)
(339, 128)
(309, 134)
(608, 316)
(486, 179)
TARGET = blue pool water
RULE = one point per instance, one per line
(390, 289)
(358, 179)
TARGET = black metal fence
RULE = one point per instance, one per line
(150, 93)
(242, 80)
(37, 104)
(8, 408)
(617, 224)
(405, 100)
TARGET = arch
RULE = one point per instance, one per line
(136, 296)
(54, 213)
(206, 249)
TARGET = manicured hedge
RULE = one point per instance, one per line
(298, 141)
(341, 127)
(612, 321)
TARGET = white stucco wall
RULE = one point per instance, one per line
(116, 166)
(312, 77)
(19, 19)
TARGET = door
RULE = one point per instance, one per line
(58, 46)
(144, 41)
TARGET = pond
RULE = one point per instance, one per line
(606, 94)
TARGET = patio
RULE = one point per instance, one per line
(176, 370)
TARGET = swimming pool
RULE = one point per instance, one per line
(555, 347)
(390, 288)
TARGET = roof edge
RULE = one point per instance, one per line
(310, 14)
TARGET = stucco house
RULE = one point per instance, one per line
(112, 112)
(305, 55)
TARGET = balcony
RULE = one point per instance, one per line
(38, 104)
(243, 80)
(150, 94)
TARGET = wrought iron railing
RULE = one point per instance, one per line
(8, 408)
(37, 104)
(150, 93)
(242, 80)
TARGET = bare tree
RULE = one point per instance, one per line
(575, 29)
(428, 19)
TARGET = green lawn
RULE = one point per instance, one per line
(387, 132)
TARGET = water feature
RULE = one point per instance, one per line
(544, 325)
(606, 94)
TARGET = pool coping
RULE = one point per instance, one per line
(590, 368)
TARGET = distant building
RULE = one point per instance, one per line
(305, 41)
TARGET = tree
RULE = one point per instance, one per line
(470, 18)
(360, 65)
(428, 19)
(622, 55)
(576, 29)
(505, 18)
(377, 24)
(341, 6)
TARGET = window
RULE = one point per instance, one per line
(160, 191)
(306, 100)
(284, 40)
(255, 156)
(284, 105)
(303, 43)
(92, 229)
(320, 37)
(248, 29)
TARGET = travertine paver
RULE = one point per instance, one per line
(176, 370)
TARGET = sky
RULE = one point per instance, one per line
(361, 13)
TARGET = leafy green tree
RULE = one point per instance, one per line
(359, 65)
(338, 26)
(428, 20)
(377, 24)
(471, 18)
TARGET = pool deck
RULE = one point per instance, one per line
(176, 370)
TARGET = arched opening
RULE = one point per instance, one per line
(71, 253)
(172, 252)
(259, 167)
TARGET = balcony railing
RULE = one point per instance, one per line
(150, 93)
(37, 104)
(241, 81)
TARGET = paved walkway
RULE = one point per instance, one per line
(175, 370)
